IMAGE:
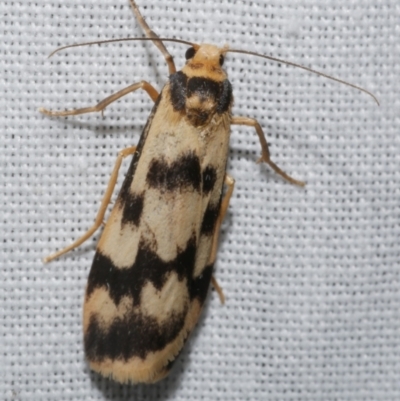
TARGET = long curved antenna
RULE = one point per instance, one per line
(306, 69)
(196, 46)
(100, 42)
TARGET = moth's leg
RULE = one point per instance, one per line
(218, 289)
(103, 206)
(151, 34)
(230, 183)
(151, 91)
(265, 156)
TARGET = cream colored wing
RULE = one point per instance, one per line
(151, 272)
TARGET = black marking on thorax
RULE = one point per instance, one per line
(178, 83)
(183, 88)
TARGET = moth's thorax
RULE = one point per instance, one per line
(201, 90)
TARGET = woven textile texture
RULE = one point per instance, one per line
(311, 276)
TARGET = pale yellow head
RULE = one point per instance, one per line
(206, 61)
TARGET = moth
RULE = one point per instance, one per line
(154, 261)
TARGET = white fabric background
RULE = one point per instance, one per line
(311, 276)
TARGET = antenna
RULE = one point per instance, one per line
(306, 69)
(196, 46)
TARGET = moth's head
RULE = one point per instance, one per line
(205, 60)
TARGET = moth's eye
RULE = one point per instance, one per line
(221, 60)
(190, 53)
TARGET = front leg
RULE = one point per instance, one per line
(265, 156)
(108, 100)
